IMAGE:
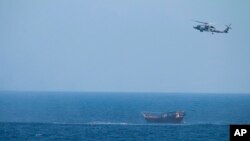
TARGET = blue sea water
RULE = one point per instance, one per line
(117, 116)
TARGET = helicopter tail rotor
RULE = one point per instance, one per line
(229, 26)
(227, 29)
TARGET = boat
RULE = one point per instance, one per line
(164, 117)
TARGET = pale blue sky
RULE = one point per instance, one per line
(124, 45)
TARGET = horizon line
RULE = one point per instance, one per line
(121, 92)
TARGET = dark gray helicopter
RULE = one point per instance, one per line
(207, 27)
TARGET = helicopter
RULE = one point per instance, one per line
(208, 27)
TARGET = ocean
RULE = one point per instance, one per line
(89, 116)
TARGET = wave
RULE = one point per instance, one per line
(141, 124)
(101, 123)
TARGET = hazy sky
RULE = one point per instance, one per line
(124, 45)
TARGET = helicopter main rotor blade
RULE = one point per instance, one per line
(200, 22)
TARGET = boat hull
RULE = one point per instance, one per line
(164, 120)
(171, 117)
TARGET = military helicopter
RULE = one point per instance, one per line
(207, 27)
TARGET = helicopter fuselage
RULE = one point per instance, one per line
(207, 28)
(212, 29)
